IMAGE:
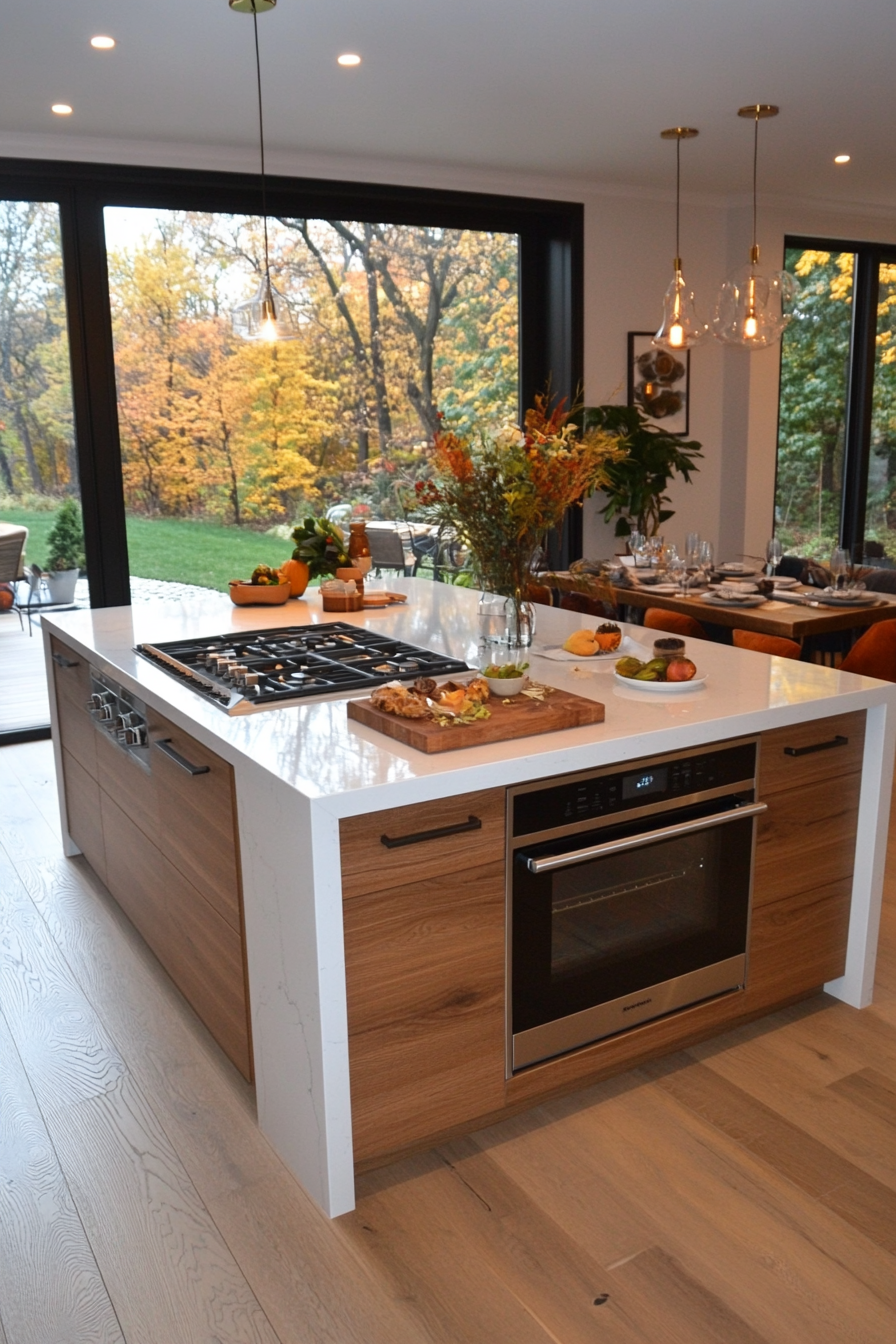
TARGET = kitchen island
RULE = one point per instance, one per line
(375, 975)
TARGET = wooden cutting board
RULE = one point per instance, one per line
(518, 717)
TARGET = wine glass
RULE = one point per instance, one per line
(678, 571)
(839, 566)
(705, 561)
(692, 549)
(773, 553)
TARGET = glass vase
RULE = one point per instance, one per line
(520, 622)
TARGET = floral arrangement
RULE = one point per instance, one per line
(505, 492)
(321, 544)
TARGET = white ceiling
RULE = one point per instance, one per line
(576, 88)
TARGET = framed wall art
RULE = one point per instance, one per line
(658, 383)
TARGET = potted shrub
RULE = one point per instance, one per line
(65, 553)
(637, 484)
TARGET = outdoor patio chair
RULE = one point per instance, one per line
(390, 550)
(12, 555)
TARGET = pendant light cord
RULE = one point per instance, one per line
(677, 198)
(755, 161)
(264, 197)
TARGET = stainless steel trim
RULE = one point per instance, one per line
(643, 838)
(606, 1019)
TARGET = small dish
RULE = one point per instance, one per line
(502, 687)
(244, 594)
(663, 687)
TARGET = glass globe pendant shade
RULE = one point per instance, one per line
(265, 317)
(681, 328)
(751, 307)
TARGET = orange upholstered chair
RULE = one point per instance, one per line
(673, 622)
(874, 653)
(776, 644)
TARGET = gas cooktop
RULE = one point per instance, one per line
(263, 668)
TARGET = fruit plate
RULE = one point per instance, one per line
(560, 655)
(663, 687)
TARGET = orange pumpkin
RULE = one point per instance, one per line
(296, 573)
(6, 597)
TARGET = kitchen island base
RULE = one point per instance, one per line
(341, 1072)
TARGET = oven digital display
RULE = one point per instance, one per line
(645, 782)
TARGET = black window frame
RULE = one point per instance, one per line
(551, 234)
(860, 378)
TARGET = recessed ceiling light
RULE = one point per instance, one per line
(348, 58)
(102, 43)
(841, 158)
(61, 109)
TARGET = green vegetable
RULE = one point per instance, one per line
(321, 544)
(505, 670)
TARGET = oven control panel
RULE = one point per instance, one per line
(549, 806)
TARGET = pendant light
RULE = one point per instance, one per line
(260, 319)
(681, 328)
(749, 310)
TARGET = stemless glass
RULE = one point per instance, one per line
(706, 556)
(839, 566)
(773, 553)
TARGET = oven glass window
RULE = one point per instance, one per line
(633, 903)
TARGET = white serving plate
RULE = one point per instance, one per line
(748, 600)
(734, 567)
(663, 687)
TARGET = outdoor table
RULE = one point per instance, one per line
(774, 617)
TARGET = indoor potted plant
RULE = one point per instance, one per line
(65, 553)
(636, 484)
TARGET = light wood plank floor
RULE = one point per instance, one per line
(742, 1192)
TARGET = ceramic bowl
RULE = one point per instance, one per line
(244, 594)
(504, 686)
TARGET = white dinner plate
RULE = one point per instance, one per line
(663, 687)
(845, 599)
(665, 588)
(784, 582)
(748, 600)
(732, 567)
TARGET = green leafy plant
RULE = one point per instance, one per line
(65, 544)
(637, 483)
(321, 544)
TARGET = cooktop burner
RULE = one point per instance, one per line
(260, 668)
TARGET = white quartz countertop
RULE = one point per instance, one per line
(348, 769)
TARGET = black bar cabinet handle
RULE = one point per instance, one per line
(837, 741)
(164, 745)
(65, 662)
(471, 824)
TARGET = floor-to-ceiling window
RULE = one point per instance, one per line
(226, 443)
(836, 471)
(39, 478)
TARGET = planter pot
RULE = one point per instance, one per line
(61, 585)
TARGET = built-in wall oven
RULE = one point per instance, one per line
(628, 895)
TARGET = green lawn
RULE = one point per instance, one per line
(178, 549)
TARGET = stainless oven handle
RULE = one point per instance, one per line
(645, 838)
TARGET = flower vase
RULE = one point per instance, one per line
(520, 621)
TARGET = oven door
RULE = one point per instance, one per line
(626, 923)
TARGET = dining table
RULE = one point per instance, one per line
(803, 613)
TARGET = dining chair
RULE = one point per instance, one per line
(588, 606)
(777, 645)
(674, 623)
(388, 550)
(874, 653)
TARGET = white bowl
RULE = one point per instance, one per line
(504, 686)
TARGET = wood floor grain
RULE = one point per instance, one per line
(53, 1292)
(740, 1193)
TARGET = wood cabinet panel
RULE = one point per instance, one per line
(779, 771)
(82, 803)
(806, 839)
(799, 943)
(201, 952)
(425, 979)
(76, 731)
(369, 865)
(197, 817)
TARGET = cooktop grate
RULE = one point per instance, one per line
(261, 668)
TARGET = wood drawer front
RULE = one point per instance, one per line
(368, 865)
(197, 818)
(76, 731)
(798, 944)
(132, 787)
(199, 950)
(778, 770)
(82, 804)
(805, 839)
(425, 984)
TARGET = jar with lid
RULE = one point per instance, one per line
(359, 547)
